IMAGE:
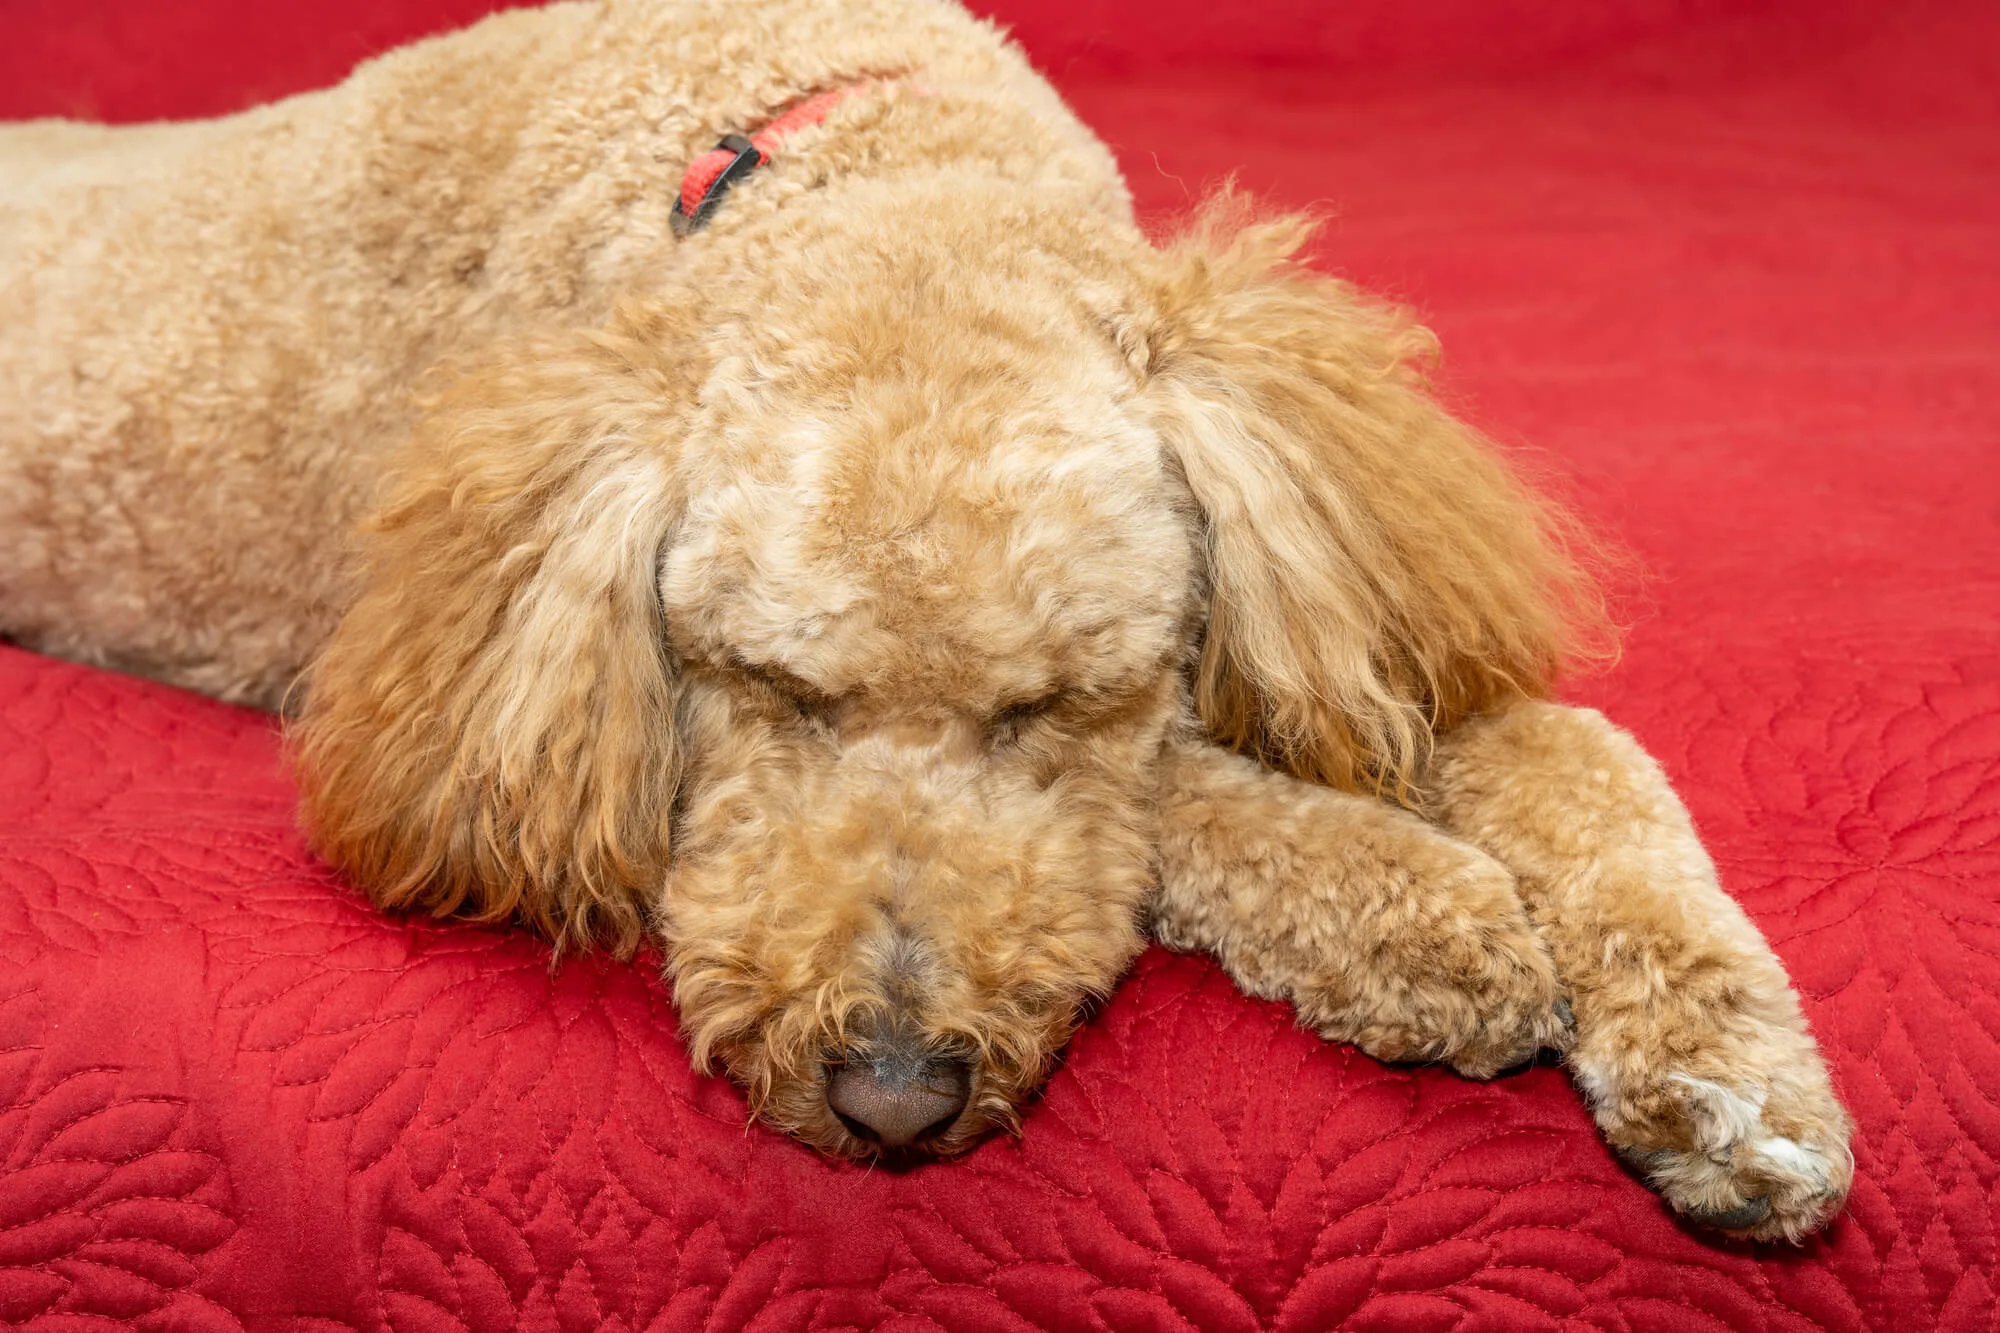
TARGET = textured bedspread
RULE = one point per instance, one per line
(1733, 272)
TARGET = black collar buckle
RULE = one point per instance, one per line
(747, 160)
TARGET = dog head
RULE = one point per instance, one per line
(831, 622)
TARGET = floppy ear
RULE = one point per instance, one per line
(490, 729)
(1375, 570)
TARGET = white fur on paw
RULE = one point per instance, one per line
(1739, 1174)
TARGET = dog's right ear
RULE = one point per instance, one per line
(489, 730)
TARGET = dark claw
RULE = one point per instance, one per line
(1733, 1219)
(1642, 1159)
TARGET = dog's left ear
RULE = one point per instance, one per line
(490, 729)
(1376, 572)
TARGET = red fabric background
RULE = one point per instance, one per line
(1733, 269)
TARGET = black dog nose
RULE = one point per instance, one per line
(896, 1100)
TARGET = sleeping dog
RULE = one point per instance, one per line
(735, 473)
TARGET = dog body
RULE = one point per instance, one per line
(899, 596)
(209, 332)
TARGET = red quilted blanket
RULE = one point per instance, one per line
(1734, 269)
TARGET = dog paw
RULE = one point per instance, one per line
(1472, 986)
(1473, 1045)
(1764, 1162)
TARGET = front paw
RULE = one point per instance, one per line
(1469, 984)
(1757, 1149)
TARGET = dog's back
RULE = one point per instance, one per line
(209, 332)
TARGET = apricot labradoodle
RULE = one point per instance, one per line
(861, 558)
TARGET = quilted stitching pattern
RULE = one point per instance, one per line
(1748, 304)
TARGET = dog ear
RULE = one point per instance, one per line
(1376, 572)
(490, 729)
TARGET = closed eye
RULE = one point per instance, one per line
(1006, 724)
(804, 697)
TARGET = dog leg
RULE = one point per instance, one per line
(1689, 1044)
(1380, 929)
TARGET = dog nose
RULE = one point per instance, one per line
(896, 1100)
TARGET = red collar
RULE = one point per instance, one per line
(709, 176)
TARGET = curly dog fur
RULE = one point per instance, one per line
(897, 599)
